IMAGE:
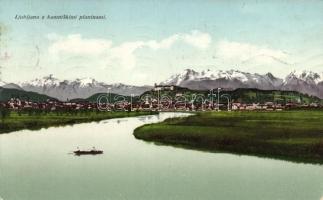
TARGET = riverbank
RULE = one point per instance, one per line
(290, 135)
(17, 121)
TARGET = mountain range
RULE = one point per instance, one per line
(306, 82)
(72, 89)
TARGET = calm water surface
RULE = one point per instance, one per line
(36, 165)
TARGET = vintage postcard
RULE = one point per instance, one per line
(161, 100)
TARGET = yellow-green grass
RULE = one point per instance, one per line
(18, 121)
(292, 135)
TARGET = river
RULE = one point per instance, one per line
(38, 165)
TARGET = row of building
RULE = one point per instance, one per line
(17, 104)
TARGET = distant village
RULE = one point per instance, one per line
(154, 103)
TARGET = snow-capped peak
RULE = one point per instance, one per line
(83, 82)
(209, 79)
(230, 75)
(2, 83)
(208, 74)
(187, 74)
(270, 76)
(77, 88)
(45, 81)
(306, 76)
(51, 81)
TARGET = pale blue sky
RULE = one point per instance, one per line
(255, 36)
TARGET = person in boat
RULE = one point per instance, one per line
(92, 151)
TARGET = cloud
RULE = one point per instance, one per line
(163, 44)
(195, 38)
(244, 51)
(76, 45)
(252, 58)
(198, 39)
(123, 54)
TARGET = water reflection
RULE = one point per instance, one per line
(36, 165)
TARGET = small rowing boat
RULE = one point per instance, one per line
(88, 152)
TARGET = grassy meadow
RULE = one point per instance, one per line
(291, 135)
(17, 121)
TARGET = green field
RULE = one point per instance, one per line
(290, 135)
(17, 121)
